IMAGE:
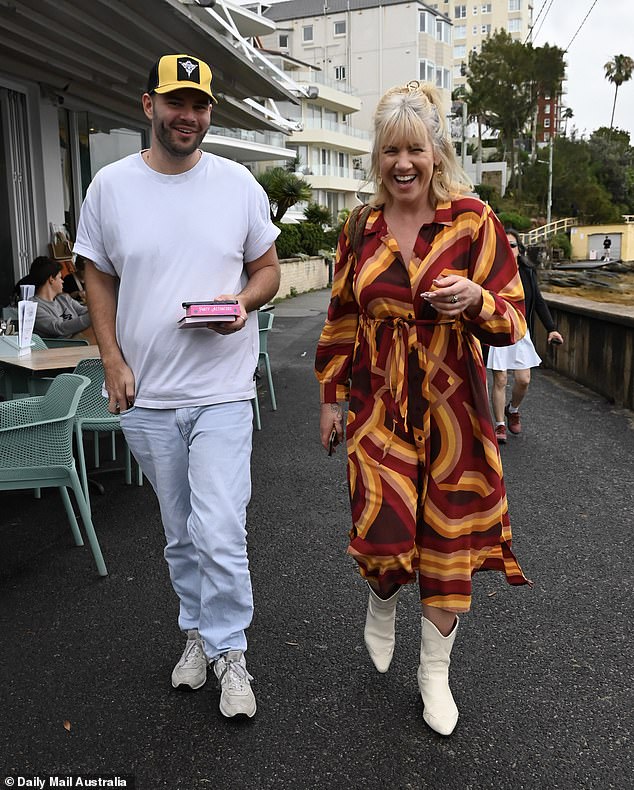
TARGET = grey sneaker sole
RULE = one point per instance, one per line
(188, 686)
(250, 711)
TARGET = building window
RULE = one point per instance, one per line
(546, 123)
(443, 31)
(485, 29)
(486, 8)
(426, 71)
(546, 137)
(515, 25)
(340, 72)
(460, 51)
(474, 30)
(424, 22)
(283, 41)
(547, 109)
(515, 5)
(460, 12)
(460, 31)
(340, 28)
(475, 10)
(307, 34)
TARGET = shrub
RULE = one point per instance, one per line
(312, 238)
(488, 193)
(289, 242)
(511, 219)
(317, 215)
(562, 242)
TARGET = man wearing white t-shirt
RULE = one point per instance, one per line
(159, 228)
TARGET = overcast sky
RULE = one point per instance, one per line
(608, 31)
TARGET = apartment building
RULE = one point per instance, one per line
(366, 46)
(473, 22)
(327, 145)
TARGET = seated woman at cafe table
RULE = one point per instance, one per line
(58, 315)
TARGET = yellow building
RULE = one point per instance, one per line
(588, 241)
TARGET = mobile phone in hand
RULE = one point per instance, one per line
(333, 441)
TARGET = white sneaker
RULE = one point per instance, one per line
(191, 670)
(236, 696)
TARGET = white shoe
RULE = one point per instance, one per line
(236, 695)
(440, 712)
(191, 670)
(379, 629)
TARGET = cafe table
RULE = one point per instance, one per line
(46, 361)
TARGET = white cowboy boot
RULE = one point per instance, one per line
(379, 629)
(440, 713)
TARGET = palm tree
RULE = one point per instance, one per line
(617, 71)
(284, 189)
(567, 115)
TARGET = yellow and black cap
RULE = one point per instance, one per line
(173, 72)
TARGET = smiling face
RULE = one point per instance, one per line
(180, 120)
(406, 167)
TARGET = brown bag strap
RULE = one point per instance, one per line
(358, 218)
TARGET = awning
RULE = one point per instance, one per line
(100, 53)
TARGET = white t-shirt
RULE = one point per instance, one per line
(172, 239)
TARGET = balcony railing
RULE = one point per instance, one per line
(263, 138)
(333, 126)
(335, 172)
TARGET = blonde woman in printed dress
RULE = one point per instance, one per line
(430, 279)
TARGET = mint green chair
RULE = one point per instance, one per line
(36, 436)
(20, 383)
(265, 322)
(93, 415)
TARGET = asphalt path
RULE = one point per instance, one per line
(542, 676)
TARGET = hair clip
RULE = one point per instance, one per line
(413, 85)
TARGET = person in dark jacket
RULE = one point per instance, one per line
(521, 356)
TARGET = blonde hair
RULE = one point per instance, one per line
(404, 113)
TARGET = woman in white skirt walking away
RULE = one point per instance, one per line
(521, 356)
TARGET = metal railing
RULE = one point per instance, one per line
(333, 126)
(265, 138)
(545, 232)
(336, 172)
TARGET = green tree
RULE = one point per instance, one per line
(317, 214)
(613, 164)
(617, 71)
(284, 189)
(504, 81)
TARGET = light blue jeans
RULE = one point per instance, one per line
(198, 461)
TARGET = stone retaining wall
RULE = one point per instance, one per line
(301, 275)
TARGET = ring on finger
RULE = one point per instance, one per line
(454, 299)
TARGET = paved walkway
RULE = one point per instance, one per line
(542, 676)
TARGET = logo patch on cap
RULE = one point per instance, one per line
(187, 70)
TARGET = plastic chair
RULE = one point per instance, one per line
(93, 415)
(37, 450)
(22, 384)
(265, 322)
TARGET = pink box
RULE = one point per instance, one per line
(229, 309)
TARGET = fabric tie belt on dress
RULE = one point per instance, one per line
(397, 362)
